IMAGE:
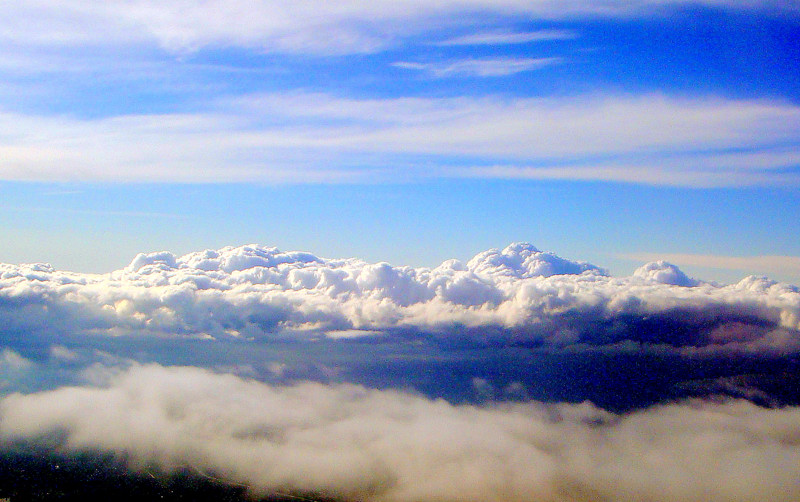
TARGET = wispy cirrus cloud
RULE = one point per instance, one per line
(509, 38)
(701, 170)
(307, 27)
(485, 67)
(301, 137)
(788, 265)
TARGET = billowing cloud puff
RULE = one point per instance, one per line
(664, 273)
(354, 443)
(522, 260)
(536, 296)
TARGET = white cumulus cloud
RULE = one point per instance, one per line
(253, 291)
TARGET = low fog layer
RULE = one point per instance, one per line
(354, 443)
(515, 295)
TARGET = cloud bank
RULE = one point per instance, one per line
(323, 346)
(353, 443)
(518, 295)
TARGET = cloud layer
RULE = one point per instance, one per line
(301, 137)
(627, 342)
(168, 129)
(354, 443)
(522, 294)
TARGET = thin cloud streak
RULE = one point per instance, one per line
(313, 27)
(702, 170)
(318, 138)
(511, 38)
(495, 67)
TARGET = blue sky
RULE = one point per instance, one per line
(412, 132)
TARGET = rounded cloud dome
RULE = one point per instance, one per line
(664, 272)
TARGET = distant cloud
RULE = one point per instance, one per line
(766, 264)
(664, 273)
(487, 67)
(13, 367)
(509, 38)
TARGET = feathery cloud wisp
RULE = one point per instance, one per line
(509, 38)
(315, 27)
(494, 67)
(297, 137)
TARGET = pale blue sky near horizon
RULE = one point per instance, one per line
(102, 226)
(611, 132)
